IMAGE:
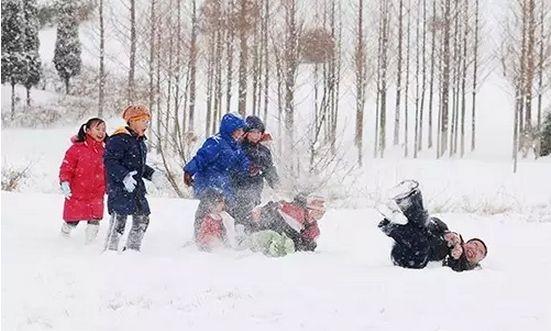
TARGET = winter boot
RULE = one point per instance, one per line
(67, 228)
(410, 202)
(91, 232)
(137, 232)
(117, 224)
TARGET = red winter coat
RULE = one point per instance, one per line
(83, 168)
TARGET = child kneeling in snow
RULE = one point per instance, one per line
(82, 179)
(214, 227)
(295, 223)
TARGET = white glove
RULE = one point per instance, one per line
(157, 179)
(66, 189)
(129, 181)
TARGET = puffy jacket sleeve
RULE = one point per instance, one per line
(148, 172)
(270, 171)
(68, 165)
(114, 153)
(204, 156)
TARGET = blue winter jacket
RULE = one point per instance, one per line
(125, 151)
(220, 158)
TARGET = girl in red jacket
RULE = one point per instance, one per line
(82, 179)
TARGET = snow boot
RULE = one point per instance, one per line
(91, 232)
(67, 228)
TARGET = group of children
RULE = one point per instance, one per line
(95, 165)
(227, 175)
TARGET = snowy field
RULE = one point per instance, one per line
(53, 283)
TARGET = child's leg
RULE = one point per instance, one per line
(117, 224)
(67, 227)
(91, 231)
(139, 226)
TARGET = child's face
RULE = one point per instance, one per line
(97, 131)
(139, 126)
(254, 136)
(218, 207)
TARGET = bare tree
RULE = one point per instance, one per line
(101, 96)
(398, 74)
(132, 66)
(361, 81)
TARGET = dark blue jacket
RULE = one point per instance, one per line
(248, 186)
(218, 160)
(125, 151)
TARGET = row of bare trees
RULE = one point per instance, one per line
(525, 55)
(419, 61)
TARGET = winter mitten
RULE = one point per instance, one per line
(157, 179)
(66, 189)
(129, 181)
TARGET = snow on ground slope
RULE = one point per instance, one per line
(52, 283)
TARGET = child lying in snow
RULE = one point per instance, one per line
(420, 238)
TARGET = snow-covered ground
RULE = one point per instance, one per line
(53, 283)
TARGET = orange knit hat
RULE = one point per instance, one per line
(135, 113)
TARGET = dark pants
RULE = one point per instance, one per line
(117, 224)
(412, 240)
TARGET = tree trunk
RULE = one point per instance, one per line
(101, 96)
(475, 71)
(67, 85)
(417, 96)
(396, 140)
(360, 84)
(431, 79)
(28, 88)
(445, 80)
(243, 56)
(540, 63)
(132, 68)
(12, 98)
(193, 66)
(406, 95)
(464, 76)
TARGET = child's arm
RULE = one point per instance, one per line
(148, 172)
(68, 165)
(205, 155)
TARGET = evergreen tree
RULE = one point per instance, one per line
(67, 45)
(13, 58)
(546, 136)
(31, 74)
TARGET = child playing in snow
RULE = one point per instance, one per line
(214, 228)
(419, 239)
(125, 162)
(296, 220)
(82, 179)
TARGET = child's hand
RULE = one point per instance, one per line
(66, 189)
(129, 181)
(457, 251)
(452, 238)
